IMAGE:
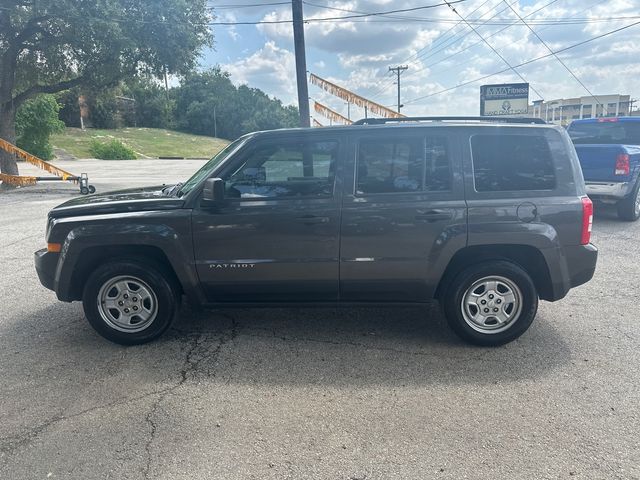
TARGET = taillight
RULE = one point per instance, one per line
(622, 164)
(587, 220)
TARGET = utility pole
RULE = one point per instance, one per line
(399, 69)
(301, 62)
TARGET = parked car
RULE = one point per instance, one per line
(609, 153)
(485, 216)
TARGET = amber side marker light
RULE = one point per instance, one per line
(54, 247)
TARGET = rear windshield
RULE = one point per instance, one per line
(605, 132)
(503, 163)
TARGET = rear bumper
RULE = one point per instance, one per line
(46, 264)
(609, 189)
(582, 261)
(576, 266)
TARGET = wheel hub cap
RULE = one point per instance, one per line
(127, 304)
(491, 304)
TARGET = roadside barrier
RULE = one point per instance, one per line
(60, 174)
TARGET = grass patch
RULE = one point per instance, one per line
(145, 142)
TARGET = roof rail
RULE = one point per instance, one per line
(498, 119)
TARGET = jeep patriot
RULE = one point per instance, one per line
(486, 216)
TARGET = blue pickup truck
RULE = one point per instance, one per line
(609, 152)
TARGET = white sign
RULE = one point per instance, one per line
(512, 106)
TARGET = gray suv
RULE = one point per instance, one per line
(487, 217)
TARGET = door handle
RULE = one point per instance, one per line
(312, 219)
(433, 215)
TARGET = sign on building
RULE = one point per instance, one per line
(504, 99)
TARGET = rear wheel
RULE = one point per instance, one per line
(629, 207)
(130, 302)
(491, 303)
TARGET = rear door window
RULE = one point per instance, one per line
(511, 163)
(396, 164)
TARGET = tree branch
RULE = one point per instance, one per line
(54, 88)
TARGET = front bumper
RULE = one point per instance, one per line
(46, 264)
(608, 189)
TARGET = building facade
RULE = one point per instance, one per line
(563, 110)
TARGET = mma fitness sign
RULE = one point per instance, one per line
(504, 99)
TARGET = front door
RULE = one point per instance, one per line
(403, 215)
(276, 236)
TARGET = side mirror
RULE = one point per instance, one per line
(213, 193)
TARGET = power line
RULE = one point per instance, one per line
(250, 5)
(493, 34)
(556, 56)
(424, 67)
(389, 12)
(494, 50)
(561, 50)
(417, 54)
(445, 47)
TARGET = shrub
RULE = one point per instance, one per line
(36, 120)
(111, 150)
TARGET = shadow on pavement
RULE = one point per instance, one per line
(364, 347)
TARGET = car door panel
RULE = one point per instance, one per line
(392, 243)
(270, 249)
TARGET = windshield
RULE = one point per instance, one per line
(624, 133)
(208, 167)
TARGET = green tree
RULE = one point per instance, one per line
(52, 45)
(152, 107)
(208, 103)
(36, 120)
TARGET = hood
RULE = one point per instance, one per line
(130, 200)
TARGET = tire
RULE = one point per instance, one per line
(629, 207)
(473, 284)
(84, 191)
(130, 302)
(92, 189)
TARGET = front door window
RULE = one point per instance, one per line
(293, 169)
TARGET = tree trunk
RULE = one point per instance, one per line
(8, 163)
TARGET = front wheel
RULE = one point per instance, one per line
(129, 302)
(491, 303)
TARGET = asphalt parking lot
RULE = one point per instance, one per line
(367, 393)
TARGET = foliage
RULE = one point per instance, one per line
(208, 103)
(36, 120)
(111, 150)
(153, 107)
(52, 45)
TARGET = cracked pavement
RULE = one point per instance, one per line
(353, 393)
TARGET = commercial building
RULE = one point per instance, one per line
(563, 110)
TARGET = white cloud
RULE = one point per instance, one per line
(441, 54)
(272, 69)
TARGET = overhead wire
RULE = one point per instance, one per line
(453, 9)
(556, 56)
(522, 64)
(387, 85)
(424, 67)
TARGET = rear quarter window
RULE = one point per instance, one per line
(504, 163)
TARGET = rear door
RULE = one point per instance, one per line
(403, 213)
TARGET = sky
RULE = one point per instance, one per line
(440, 49)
